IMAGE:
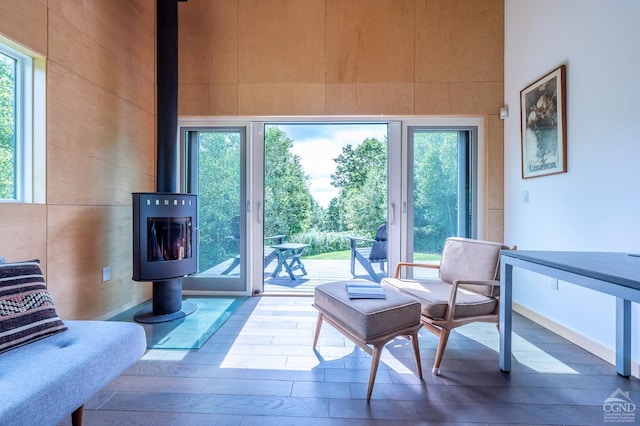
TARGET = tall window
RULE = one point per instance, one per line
(21, 135)
(8, 116)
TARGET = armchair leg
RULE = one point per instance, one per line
(442, 344)
(416, 352)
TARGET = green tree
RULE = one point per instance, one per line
(435, 193)
(288, 203)
(336, 216)
(361, 176)
(218, 196)
(318, 216)
(366, 208)
(354, 164)
(7, 127)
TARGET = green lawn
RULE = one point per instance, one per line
(333, 255)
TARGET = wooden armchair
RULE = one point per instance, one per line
(466, 290)
(367, 252)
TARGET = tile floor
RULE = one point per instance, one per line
(259, 369)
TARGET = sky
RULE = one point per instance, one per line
(318, 145)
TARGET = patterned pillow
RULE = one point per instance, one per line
(27, 312)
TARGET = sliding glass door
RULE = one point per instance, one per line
(442, 189)
(214, 170)
(325, 183)
(319, 184)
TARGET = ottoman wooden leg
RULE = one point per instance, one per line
(369, 323)
(377, 352)
(318, 327)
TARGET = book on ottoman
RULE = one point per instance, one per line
(357, 290)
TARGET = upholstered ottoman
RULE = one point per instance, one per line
(369, 321)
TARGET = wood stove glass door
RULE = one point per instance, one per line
(214, 160)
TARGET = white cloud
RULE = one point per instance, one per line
(318, 145)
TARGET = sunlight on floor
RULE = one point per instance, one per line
(165, 355)
(524, 352)
(528, 354)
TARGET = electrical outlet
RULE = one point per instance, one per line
(554, 283)
(106, 273)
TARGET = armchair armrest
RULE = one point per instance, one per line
(492, 283)
(414, 265)
(353, 241)
(451, 308)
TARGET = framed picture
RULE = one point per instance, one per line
(543, 124)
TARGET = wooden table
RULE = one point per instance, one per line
(289, 255)
(617, 274)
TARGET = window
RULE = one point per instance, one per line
(22, 120)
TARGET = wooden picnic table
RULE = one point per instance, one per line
(289, 257)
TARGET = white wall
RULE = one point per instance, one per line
(595, 206)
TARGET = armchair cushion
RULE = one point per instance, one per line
(465, 259)
(434, 298)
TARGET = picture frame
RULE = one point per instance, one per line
(543, 125)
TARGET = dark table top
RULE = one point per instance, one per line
(613, 267)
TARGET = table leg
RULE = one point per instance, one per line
(623, 337)
(506, 283)
(296, 262)
(287, 265)
(281, 259)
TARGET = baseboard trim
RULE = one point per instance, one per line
(587, 344)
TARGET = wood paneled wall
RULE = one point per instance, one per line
(349, 57)
(237, 58)
(100, 131)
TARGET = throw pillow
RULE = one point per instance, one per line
(27, 312)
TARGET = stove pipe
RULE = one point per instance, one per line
(167, 80)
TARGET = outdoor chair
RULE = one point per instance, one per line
(466, 290)
(269, 253)
(368, 252)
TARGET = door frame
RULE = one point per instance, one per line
(467, 178)
(398, 200)
(193, 285)
(406, 248)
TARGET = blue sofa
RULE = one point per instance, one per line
(44, 381)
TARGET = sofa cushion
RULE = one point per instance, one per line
(27, 312)
(433, 296)
(43, 382)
